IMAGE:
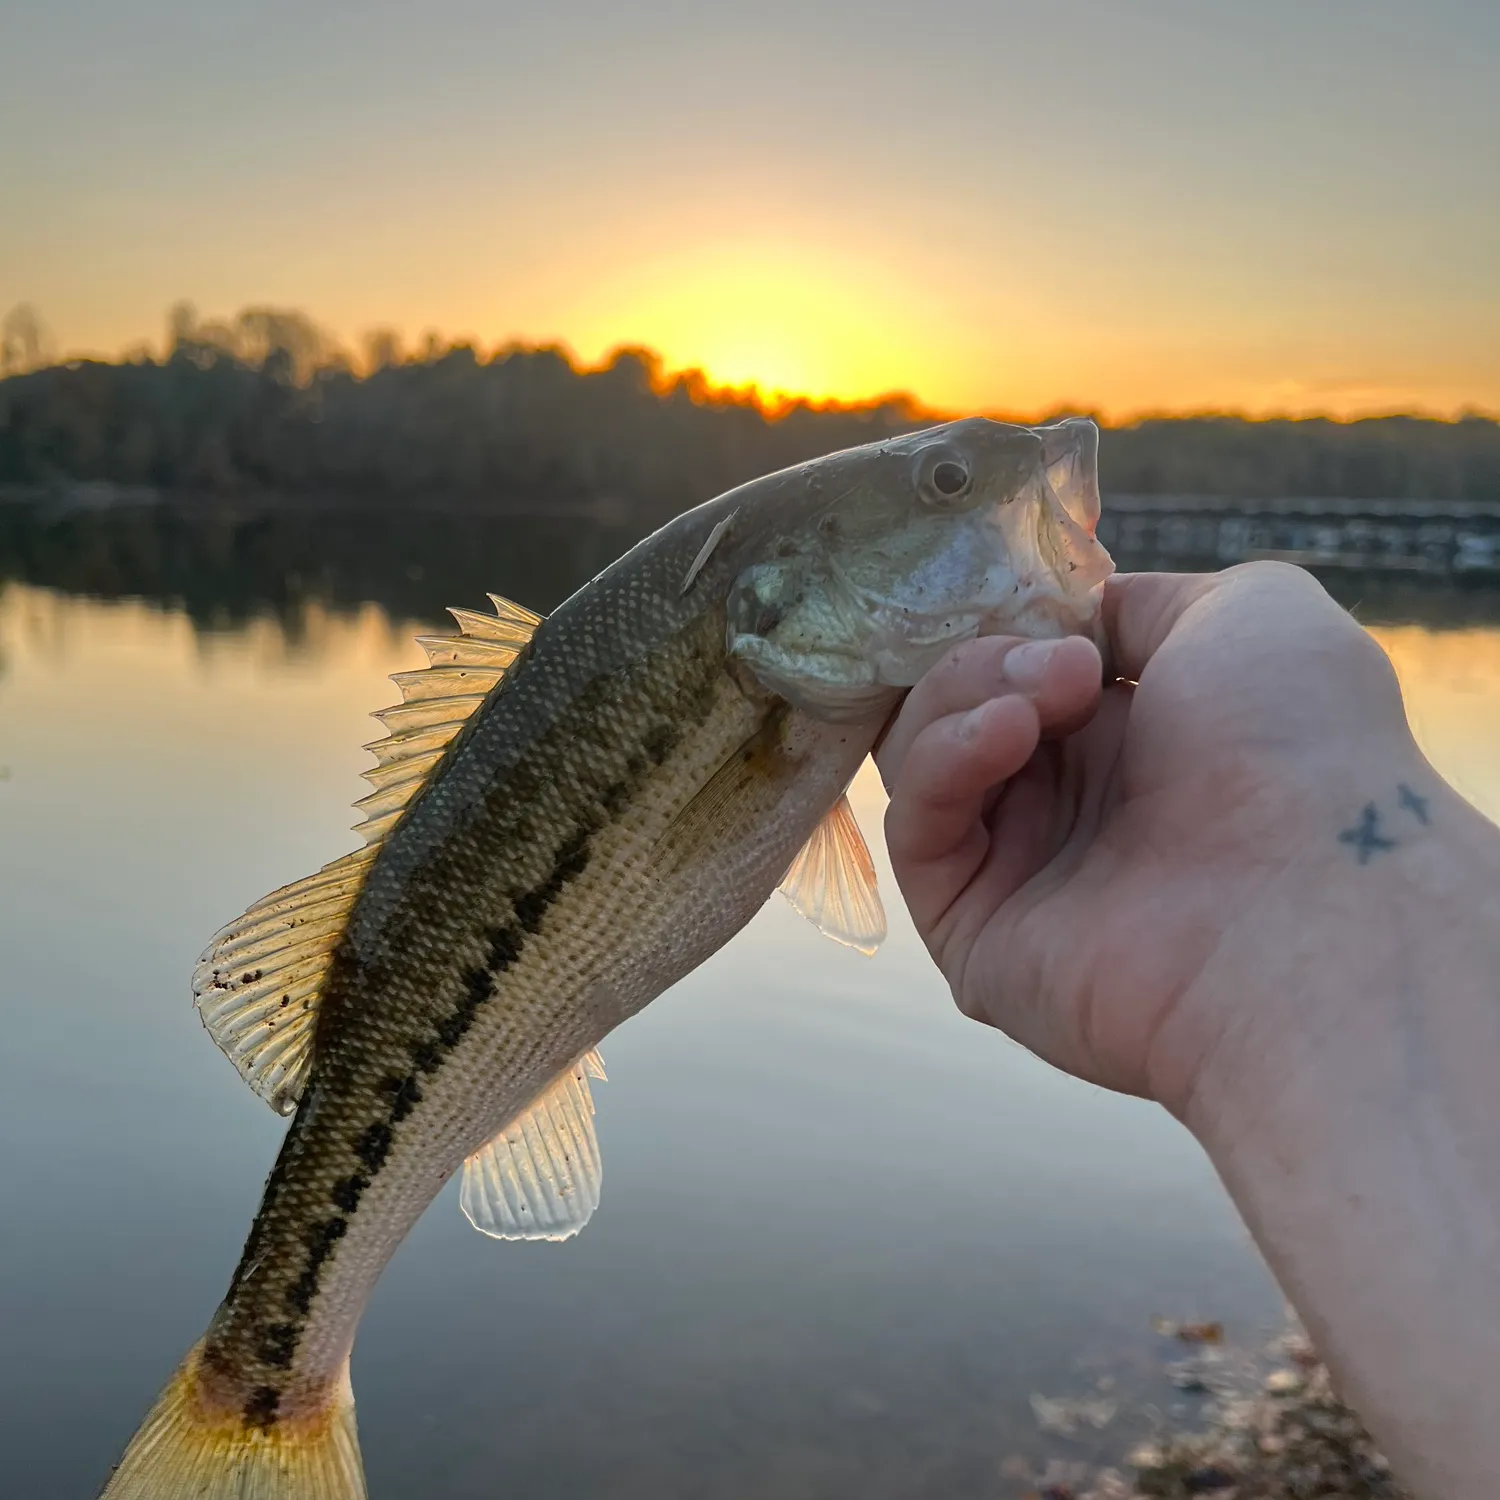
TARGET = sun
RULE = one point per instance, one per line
(771, 319)
(758, 347)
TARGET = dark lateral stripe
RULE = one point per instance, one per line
(572, 860)
(372, 1146)
(260, 1409)
(320, 1239)
(348, 1191)
(275, 1341)
(279, 1344)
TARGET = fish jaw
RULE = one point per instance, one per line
(838, 686)
(1070, 459)
(792, 634)
(1057, 570)
(841, 627)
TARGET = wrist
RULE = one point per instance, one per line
(1394, 883)
(1350, 1108)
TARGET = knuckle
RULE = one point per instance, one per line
(967, 1005)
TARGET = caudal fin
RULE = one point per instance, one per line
(184, 1452)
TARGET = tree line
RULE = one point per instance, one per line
(266, 402)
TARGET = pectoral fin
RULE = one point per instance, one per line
(539, 1179)
(832, 882)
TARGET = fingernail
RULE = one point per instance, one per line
(1026, 664)
(975, 721)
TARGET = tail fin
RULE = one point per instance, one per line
(183, 1452)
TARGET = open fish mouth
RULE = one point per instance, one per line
(841, 627)
(1025, 565)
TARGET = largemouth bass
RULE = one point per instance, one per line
(569, 815)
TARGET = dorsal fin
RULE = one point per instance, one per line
(436, 700)
(259, 982)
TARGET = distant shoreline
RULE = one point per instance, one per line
(100, 495)
(615, 510)
(228, 557)
(252, 417)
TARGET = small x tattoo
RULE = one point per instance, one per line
(1365, 838)
(1415, 805)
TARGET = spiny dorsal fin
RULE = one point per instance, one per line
(436, 700)
(539, 1179)
(258, 984)
(832, 882)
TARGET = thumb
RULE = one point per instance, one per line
(1140, 611)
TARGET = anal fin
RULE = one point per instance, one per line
(540, 1178)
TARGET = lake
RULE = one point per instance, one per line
(845, 1234)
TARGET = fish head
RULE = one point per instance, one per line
(876, 561)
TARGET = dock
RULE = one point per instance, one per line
(1435, 538)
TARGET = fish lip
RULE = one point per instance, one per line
(1078, 614)
(1074, 442)
(736, 644)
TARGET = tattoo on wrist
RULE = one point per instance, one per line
(1415, 805)
(1368, 836)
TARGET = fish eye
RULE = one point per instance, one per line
(942, 477)
(949, 478)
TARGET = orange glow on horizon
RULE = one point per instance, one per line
(828, 211)
(777, 343)
(776, 399)
(784, 321)
(795, 318)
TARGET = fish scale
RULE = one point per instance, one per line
(614, 912)
(569, 816)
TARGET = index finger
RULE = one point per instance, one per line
(1061, 678)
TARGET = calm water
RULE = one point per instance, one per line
(845, 1233)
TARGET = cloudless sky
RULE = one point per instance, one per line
(1293, 204)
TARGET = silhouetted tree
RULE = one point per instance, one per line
(24, 341)
(382, 347)
(268, 401)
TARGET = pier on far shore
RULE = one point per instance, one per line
(1432, 537)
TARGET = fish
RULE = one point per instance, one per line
(568, 815)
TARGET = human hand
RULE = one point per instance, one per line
(1080, 863)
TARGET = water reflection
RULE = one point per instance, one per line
(1450, 680)
(224, 563)
(844, 1235)
(227, 562)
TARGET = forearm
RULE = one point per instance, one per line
(1353, 1111)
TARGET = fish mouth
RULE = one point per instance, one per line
(901, 644)
(1048, 614)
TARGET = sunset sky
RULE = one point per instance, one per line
(1291, 205)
